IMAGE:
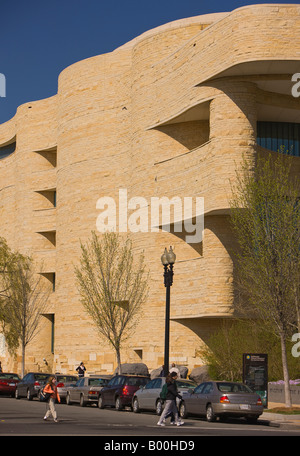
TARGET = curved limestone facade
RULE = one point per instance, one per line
(169, 114)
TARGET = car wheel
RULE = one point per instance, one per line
(118, 404)
(210, 414)
(100, 403)
(68, 399)
(82, 401)
(29, 396)
(182, 410)
(159, 407)
(136, 405)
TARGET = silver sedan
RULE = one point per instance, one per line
(148, 397)
(222, 399)
(86, 390)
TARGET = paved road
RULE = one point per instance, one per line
(25, 418)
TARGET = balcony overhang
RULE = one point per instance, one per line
(204, 316)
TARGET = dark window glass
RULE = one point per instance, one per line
(281, 137)
(5, 151)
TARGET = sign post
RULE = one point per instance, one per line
(255, 374)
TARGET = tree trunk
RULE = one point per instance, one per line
(286, 377)
(23, 360)
(118, 360)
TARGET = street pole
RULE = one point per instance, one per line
(168, 259)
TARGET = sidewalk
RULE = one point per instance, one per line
(280, 419)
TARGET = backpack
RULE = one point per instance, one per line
(163, 394)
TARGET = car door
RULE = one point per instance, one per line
(155, 392)
(22, 386)
(109, 390)
(85, 388)
(146, 395)
(116, 389)
(203, 397)
(192, 399)
(75, 392)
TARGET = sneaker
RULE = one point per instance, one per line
(55, 420)
(45, 418)
(160, 424)
(179, 423)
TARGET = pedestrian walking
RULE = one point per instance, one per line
(51, 389)
(170, 405)
(81, 369)
(175, 369)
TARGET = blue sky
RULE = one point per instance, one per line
(39, 38)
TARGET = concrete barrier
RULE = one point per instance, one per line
(276, 393)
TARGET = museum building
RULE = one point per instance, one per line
(169, 114)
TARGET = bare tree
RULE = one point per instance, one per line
(113, 287)
(24, 299)
(265, 214)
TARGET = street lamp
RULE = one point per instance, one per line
(168, 259)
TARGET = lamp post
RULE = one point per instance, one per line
(168, 260)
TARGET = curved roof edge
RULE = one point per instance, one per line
(202, 19)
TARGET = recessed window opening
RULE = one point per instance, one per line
(281, 137)
(7, 150)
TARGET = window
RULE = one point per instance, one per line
(233, 388)
(5, 151)
(279, 136)
(208, 388)
(52, 320)
(151, 384)
(80, 382)
(199, 388)
(158, 383)
(97, 382)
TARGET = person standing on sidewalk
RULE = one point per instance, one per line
(170, 406)
(81, 370)
(51, 388)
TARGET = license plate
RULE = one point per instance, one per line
(11, 384)
(245, 407)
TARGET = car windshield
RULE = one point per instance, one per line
(137, 381)
(233, 388)
(186, 384)
(13, 376)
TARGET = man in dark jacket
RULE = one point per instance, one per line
(170, 406)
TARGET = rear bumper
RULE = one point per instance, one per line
(238, 409)
(126, 399)
(7, 390)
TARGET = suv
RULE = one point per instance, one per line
(31, 384)
(120, 390)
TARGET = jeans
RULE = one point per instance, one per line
(51, 410)
(170, 407)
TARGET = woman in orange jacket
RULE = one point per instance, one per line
(51, 388)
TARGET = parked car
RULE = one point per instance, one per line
(120, 389)
(86, 390)
(62, 383)
(8, 383)
(148, 397)
(222, 399)
(31, 384)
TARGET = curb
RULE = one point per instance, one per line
(280, 420)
